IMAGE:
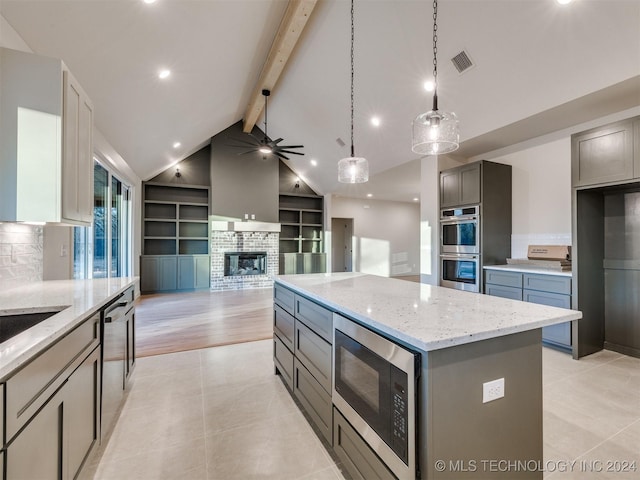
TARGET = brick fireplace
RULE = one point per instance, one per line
(243, 254)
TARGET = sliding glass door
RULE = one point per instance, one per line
(104, 249)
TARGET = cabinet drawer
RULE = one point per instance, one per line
(316, 317)
(314, 399)
(559, 334)
(508, 279)
(356, 456)
(514, 293)
(28, 389)
(283, 360)
(546, 298)
(2, 439)
(284, 297)
(315, 353)
(548, 283)
(284, 326)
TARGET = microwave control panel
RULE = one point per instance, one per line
(399, 417)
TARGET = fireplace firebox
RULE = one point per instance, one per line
(245, 263)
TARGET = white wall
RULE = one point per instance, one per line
(541, 203)
(387, 234)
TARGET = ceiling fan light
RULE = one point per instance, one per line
(353, 170)
(435, 133)
(265, 150)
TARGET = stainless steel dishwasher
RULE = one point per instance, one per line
(115, 320)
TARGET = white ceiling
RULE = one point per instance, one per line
(530, 56)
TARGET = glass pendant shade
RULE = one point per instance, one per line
(353, 170)
(435, 133)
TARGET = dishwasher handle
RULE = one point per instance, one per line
(115, 312)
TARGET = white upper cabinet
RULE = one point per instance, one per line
(46, 149)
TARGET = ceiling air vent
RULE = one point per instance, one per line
(462, 62)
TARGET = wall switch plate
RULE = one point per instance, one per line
(492, 390)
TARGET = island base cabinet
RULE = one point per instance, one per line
(354, 454)
(61, 435)
(314, 399)
(283, 360)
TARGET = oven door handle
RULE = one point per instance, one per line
(454, 220)
(461, 256)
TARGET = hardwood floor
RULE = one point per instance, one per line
(175, 322)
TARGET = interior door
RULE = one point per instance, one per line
(342, 244)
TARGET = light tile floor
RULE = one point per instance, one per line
(221, 413)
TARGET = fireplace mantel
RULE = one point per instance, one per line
(252, 226)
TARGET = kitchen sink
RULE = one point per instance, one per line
(13, 324)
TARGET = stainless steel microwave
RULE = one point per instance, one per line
(375, 389)
(460, 230)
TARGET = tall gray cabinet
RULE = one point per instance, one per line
(605, 171)
(175, 244)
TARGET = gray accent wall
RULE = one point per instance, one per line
(194, 170)
(243, 183)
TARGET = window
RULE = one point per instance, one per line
(104, 249)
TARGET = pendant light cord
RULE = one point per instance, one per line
(352, 75)
(266, 100)
(435, 55)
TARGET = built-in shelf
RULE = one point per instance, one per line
(302, 231)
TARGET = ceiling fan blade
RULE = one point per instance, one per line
(279, 154)
(248, 152)
(291, 146)
(275, 142)
(288, 151)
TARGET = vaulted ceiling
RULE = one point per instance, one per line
(538, 66)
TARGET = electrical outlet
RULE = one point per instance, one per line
(492, 390)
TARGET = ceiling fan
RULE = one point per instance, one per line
(266, 145)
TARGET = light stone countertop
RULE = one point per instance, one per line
(423, 316)
(77, 300)
(523, 268)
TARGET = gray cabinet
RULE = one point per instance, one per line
(604, 154)
(53, 407)
(194, 271)
(294, 263)
(303, 336)
(160, 273)
(552, 290)
(460, 186)
(354, 454)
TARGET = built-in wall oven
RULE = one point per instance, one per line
(461, 271)
(375, 387)
(460, 230)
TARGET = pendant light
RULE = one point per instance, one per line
(353, 169)
(435, 132)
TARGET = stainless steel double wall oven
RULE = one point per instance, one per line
(460, 248)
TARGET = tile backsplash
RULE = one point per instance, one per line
(21, 254)
(520, 243)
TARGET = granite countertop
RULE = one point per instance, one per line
(424, 316)
(76, 300)
(523, 268)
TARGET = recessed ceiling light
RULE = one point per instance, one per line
(176, 144)
(149, 1)
(314, 162)
(164, 73)
(563, 2)
(375, 121)
(416, 199)
(429, 86)
(369, 195)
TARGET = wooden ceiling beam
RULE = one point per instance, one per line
(293, 22)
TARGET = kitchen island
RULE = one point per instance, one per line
(463, 340)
